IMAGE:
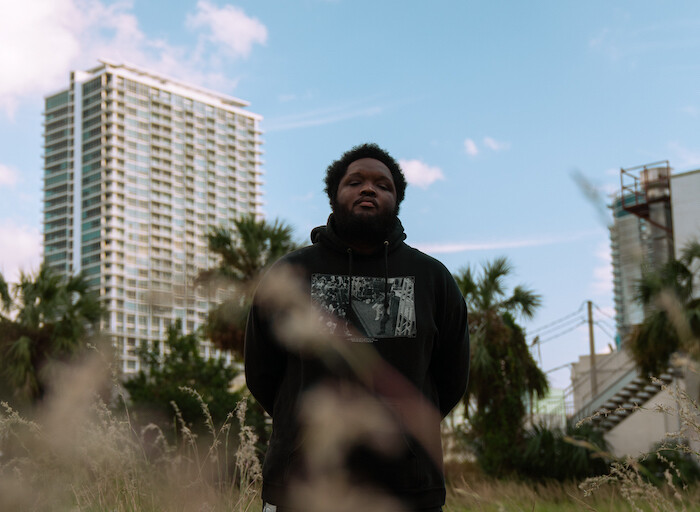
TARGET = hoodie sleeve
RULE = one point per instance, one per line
(265, 359)
(450, 360)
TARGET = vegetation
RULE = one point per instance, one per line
(44, 319)
(569, 454)
(245, 252)
(178, 381)
(75, 452)
(672, 322)
(84, 456)
(674, 460)
(503, 373)
(170, 377)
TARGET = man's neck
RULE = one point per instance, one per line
(363, 246)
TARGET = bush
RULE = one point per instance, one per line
(672, 460)
(566, 454)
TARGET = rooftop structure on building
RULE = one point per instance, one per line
(641, 234)
(137, 168)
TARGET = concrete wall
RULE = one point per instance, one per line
(609, 368)
(685, 205)
(641, 431)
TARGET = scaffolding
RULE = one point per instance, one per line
(646, 193)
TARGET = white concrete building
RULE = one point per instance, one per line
(137, 168)
(685, 189)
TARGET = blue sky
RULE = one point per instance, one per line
(492, 107)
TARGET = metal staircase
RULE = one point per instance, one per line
(634, 394)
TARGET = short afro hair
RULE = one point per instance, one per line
(337, 170)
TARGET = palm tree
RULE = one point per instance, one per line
(245, 252)
(503, 373)
(46, 318)
(672, 322)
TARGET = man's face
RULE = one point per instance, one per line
(366, 199)
(367, 189)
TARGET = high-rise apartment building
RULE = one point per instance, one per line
(137, 168)
(629, 247)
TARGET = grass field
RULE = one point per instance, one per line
(76, 454)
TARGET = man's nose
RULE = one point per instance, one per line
(368, 189)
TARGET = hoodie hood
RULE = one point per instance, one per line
(328, 236)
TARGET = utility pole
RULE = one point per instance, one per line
(594, 377)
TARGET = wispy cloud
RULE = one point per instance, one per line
(470, 147)
(20, 249)
(8, 176)
(488, 143)
(495, 145)
(621, 43)
(690, 110)
(420, 174)
(229, 27)
(682, 157)
(79, 32)
(324, 116)
(454, 247)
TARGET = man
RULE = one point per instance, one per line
(357, 259)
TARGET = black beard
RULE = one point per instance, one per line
(370, 229)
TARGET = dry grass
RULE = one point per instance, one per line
(77, 454)
(490, 495)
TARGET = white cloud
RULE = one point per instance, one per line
(20, 249)
(230, 27)
(419, 173)
(490, 143)
(41, 44)
(453, 247)
(38, 45)
(8, 176)
(495, 145)
(470, 147)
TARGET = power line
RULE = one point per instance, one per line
(603, 312)
(607, 324)
(600, 326)
(560, 334)
(558, 367)
(562, 325)
(558, 321)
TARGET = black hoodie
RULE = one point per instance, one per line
(405, 305)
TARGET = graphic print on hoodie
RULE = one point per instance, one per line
(376, 307)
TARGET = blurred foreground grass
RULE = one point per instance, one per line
(78, 454)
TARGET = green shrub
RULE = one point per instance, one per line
(566, 454)
(673, 460)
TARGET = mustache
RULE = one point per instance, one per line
(365, 199)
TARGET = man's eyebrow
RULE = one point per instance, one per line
(351, 174)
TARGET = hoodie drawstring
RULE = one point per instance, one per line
(386, 277)
(349, 283)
